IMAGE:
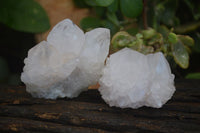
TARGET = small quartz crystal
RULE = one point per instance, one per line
(132, 80)
(67, 63)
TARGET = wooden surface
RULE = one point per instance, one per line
(88, 113)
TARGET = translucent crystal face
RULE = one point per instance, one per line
(67, 37)
(131, 79)
(67, 63)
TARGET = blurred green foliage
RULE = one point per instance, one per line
(24, 15)
(172, 26)
(131, 8)
(99, 2)
(150, 41)
(18, 16)
(110, 14)
(193, 76)
(173, 29)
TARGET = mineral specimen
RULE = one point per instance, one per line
(131, 79)
(67, 63)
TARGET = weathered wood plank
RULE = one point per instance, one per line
(19, 112)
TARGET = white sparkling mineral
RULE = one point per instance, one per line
(67, 63)
(131, 79)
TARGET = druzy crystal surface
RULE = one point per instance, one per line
(67, 63)
(131, 79)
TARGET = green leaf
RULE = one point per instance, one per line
(114, 6)
(108, 24)
(180, 54)
(121, 39)
(193, 76)
(165, 12)
(156, 40)
(91, 2)
(100, 11)
(104, 3)
(172, 38)
(139, 45)
(113, 18)
(149, 33)
(186, 40)
(24, 15)
(80, 3)
(89, 23)
(164, 31)
(131, 8)
(132, 31)
(146, 49)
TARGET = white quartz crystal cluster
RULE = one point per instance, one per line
(131, 79)
(67, 63)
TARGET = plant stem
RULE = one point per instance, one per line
(182, 29)
(144, 14)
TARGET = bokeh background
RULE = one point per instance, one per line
(24, 23)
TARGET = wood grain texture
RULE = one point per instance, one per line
(88, 113)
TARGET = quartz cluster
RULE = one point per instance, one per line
(131, 79)
(67, 63)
